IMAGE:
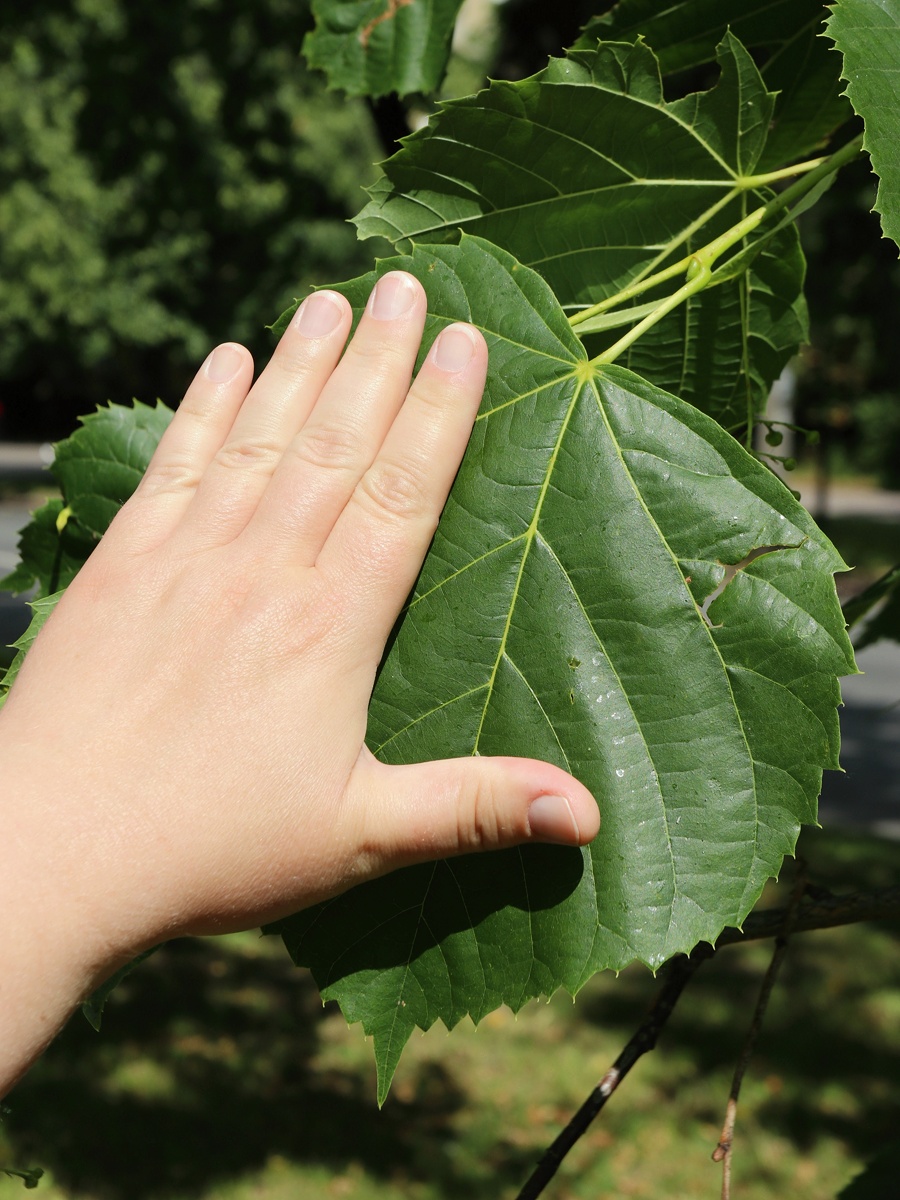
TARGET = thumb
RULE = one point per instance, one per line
(460, 805)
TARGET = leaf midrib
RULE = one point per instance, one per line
(528, 539)
(560, 197)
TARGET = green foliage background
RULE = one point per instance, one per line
(169, 177)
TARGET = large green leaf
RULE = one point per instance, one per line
(585, 173)
(867, 33)
(783, 34)
(373, 47)
(576, 606)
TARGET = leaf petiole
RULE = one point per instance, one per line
(700, 264)
(699, 276)
(718, 246)
(674, 269)
(748, 182)
(650, 281)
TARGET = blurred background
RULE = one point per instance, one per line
(172, 176)
(169, 177)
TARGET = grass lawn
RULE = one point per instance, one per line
(218, 1075)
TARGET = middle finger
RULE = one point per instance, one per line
(345, 430)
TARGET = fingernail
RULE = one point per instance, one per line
(318, 315)
(223, 364)
(454, 348)
(393, 296)
(550, 818)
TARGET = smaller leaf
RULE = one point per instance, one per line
(101, 464)
(878, 1180)
(42, 608)
(856, 608)
(685, 33)
(811, 102)
(29, 1177)
(374, 47)
(50, 556)
(585, 173)
(97, 468)
(867, 32)
(784, 37)
(885, 625)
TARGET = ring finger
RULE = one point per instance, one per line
(274, 409)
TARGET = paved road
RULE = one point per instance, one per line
(867, 796)
(849, 500)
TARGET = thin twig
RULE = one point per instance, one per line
(722, 1152)
(677, 973)
(820, 909)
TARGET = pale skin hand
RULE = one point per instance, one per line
(183, 749)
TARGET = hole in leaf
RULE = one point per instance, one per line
(731, 569)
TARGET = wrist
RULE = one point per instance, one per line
(58, 939)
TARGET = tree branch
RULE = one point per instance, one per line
(389, 118)
(677, 973)
(817, 909)
(822, 910)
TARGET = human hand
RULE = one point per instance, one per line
(186, 734)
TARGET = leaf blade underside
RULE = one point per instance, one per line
(586, 174)
(558, 616)
(784, 36)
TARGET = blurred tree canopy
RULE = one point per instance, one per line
(849, 377)
(170, 176)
